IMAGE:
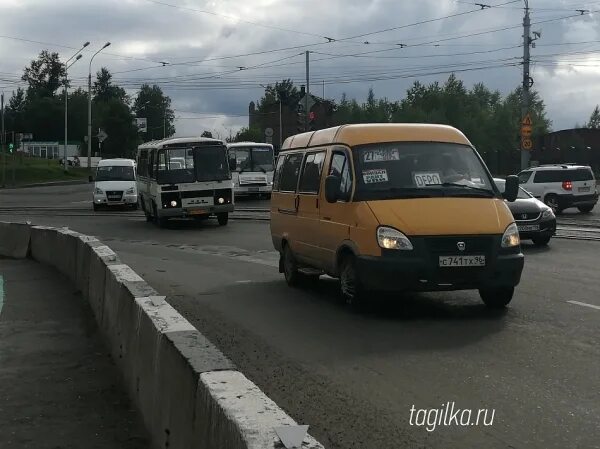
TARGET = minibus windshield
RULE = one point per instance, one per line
(187, 165)
(420, 169)
(248, 159)
(115, 173)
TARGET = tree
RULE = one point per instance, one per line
(246, 134)
(15, 111)
(104, 90)
(152, 104)
(44, 75)
(595, 119)
(115, 118)
(207, 134)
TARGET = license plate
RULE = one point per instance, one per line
(523, 228)
(114, 198)
(197, 212)
(583, 189)
(462, 261)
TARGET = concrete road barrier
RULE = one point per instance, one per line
(14, 240)
(189, 394)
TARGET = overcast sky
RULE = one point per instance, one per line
(206, 42)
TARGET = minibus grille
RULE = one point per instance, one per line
(114, 195)
(450, 245)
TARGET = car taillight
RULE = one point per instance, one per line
(567, 185)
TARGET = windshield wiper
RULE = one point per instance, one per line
(466, 186)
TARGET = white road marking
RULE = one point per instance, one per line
(247, 281)
(1, 293)
(577, 303)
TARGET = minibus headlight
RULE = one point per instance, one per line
(390, 238)
(511, 238)
(130, 191)
(98, 191)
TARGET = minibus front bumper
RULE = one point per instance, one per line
(395, 271)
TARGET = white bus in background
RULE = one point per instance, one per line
(184, 177)
(254, 167)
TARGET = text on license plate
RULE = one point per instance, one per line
(524, 228)
(462, 261)
(584, 189)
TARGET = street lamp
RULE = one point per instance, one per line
(89, 152)
(77, 57)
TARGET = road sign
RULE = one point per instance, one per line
(27, 136)
(268, 139)
(142, 124)
(527, 144)
(269, 132)
(101, 135)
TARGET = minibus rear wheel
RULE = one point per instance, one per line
(497, 298)
(290, 267)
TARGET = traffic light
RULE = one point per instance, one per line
(312, 126)
(10, 147)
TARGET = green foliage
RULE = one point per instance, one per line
(104, 90)
(207, 134)
(594, 121)
(44, 75)
(152, 104)
(246, 134)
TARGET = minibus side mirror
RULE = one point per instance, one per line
(511, 189)
(332, 188)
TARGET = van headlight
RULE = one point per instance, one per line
(390, 238)
(98, 191)
(548, 213)
(511, 238)
(130, 191)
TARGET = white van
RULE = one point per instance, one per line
(254, 165)
(115, 184)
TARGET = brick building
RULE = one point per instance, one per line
(580, 145)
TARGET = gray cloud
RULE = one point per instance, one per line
(218, 93)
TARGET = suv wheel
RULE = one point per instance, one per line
(585, 209)
(497, 298)
(551, 200)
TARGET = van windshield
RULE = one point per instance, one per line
(420, 169)
(248, 159)
(115, 173)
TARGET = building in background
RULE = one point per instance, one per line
(50, 150)
(578, 145)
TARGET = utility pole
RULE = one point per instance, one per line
(525, 152)
(280, 127)
(306, 111)
(2, 141)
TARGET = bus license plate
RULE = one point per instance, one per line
(197, 212)
(462, 261)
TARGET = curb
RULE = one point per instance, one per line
(187, 391)
(47, 184)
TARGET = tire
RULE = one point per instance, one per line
(585, 209)
(223, 218)
(551, 200)
(351, 290)
(161, 222)
(497, 298)
(290, 268)
(134, 206)
(541, 241)
(96, 207)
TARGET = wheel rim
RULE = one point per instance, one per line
(552, 203)
(348, 281)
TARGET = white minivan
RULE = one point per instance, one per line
(115, 184)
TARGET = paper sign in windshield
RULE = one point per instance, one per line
(375, 176)
(427, 179)
(390, 154)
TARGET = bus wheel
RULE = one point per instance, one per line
(223, 218)
(160, 221)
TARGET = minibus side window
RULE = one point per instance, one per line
(311, 173)
(151, 164)
(277, 175)
(142, 163)
(340, 166)
(289, 172)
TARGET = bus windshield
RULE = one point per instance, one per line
(187, 165)
(252, 159)
(420, 169)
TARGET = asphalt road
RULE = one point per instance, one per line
(354, 377)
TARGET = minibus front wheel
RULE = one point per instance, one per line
(350, 286)
(497, 298)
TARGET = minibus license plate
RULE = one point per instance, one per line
(584, 189)
(462, 261)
